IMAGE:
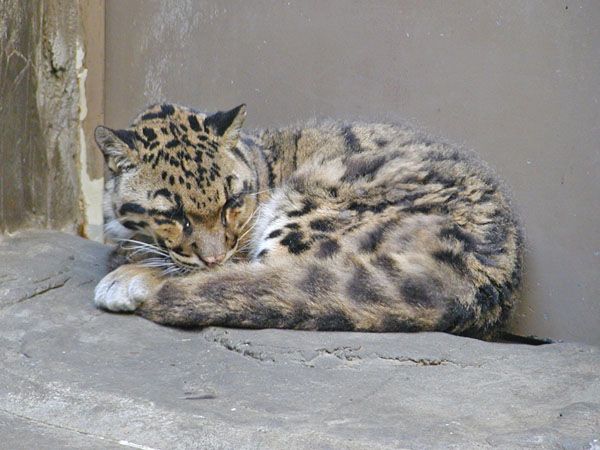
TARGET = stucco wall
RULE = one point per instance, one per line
(519, 81)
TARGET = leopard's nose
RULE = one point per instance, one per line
(211, 261)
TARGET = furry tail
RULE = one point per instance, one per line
(319, 296)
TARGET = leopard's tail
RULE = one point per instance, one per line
(311, 294)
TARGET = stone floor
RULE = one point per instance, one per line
(75, 377)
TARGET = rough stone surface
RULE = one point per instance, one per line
(75, 377)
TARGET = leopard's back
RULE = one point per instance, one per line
(403, 223)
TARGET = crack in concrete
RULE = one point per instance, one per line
(50, 287)
(343, 353)
(222, 340)
(418, 361)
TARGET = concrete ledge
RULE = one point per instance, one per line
(75, 377)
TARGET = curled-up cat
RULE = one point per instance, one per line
(328, 226)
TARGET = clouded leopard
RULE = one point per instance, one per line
(328, 226)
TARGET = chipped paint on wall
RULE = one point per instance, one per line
(91, 190)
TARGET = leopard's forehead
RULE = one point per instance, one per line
(178, 153)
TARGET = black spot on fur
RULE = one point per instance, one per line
(324, 225)
(381, 142)
(131, 208)
(274, 234)
(327, 248)
(193, 121)
(455, 232)
(172, 143)
(350, 140)
(262, 253)
(398, 324)
(163, 221)
(452, 259)
(371, 240)
(362, 287)
(149, 133)
(488, 296)
(171, 180)
(292, 226)
(423, 209)
(455, 317)
(167, 109)
(170, 294)
(318, 281)
(417, 291)
(309, 206)
(334, 321)
(294, 242)
(363, 207)
(362, 167)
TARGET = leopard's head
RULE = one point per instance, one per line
(181, 178)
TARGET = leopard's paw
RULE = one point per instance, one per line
(125, 288)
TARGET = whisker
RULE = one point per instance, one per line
(145, 245)
(260, 192)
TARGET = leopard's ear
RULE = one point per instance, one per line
(227, 124)
(118, 147)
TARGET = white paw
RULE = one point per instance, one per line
(122, 290)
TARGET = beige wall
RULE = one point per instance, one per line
(519, 81)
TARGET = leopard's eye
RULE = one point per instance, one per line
(187, 226)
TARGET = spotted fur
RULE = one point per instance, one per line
(329, 226)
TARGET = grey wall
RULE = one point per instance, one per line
(519, 81)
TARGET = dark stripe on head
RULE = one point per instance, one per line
(163, 192)
(238, 153)
(135, 225)
(163, 221)
(131, 208)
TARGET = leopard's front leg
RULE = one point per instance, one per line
(126, 287)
